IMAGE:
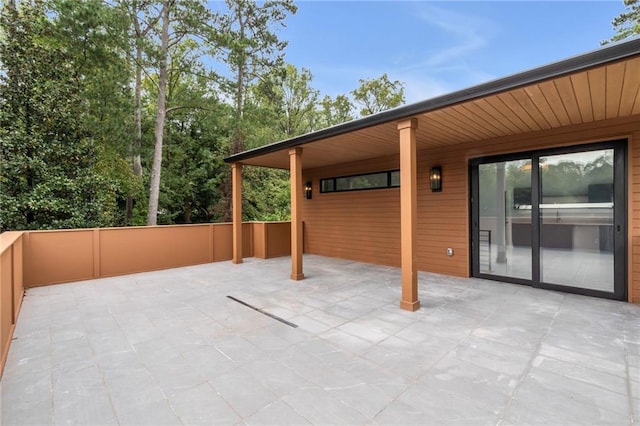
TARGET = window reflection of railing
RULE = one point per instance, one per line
(566, 206)
(570, 213)
(485, 249)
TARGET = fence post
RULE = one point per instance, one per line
(96, 253)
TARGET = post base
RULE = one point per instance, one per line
(297, 277)
(410, 306)
(236, 261)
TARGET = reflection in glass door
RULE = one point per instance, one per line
(505, 222)
(576, 216)
(553, 219)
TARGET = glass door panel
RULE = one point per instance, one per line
(504, 225)
(577, 219)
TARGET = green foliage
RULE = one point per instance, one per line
(568, 180)
(250, 47)
(335, 111)
(48, 173)
(379, 94)
(266, 194)
(193, 164)
(95, 35)
(627, 24)
(286, 94)
(75, 149)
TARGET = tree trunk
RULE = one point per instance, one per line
(237, 142)
(187, 212)
(154, 186)
(228, 193)
(128, 214)
(137, 145)
(137, 141)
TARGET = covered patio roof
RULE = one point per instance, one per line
(602, 84)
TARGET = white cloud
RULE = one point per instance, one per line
(448, 66)
(464, 35)
(465, 32)
(437, 61)
(420, 88)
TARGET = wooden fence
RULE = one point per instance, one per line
(37, 258)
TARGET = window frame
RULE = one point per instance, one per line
(334, 180)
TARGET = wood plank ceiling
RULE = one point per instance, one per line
(603, 92)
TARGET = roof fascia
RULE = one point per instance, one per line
(603, 55)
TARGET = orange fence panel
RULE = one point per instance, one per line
(36, 258)
(11, 289)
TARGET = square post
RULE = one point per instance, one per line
(408, 213)
(236, 207)
(295, 169)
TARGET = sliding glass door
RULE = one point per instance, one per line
(553, 219)
(577, 217)
(503, 250)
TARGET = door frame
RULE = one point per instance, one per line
(620, 220)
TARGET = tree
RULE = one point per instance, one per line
(156, 168)
(267, 194)
(599, 170)
(335, 111)
(289, 97)
(250, 48)
(95, 36)
(197, 124)
(565, 178)
(49, 176)
(378, 95)
(178, 19)
(283, 105)
(142, 22)
(627, 23)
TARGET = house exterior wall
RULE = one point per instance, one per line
(365, 225)
(357, 225)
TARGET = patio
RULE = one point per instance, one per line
(170, 347)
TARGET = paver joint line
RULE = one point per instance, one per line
(275, 317)
(167, 347)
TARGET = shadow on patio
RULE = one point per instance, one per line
(169, 347)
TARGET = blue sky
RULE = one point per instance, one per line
(438, 47)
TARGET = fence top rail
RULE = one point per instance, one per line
(123, 228)
(270, 221)
(8, 238)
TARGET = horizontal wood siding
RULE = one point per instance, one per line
(356, 225)
(442, 216)
(365, 225)
(634, 217)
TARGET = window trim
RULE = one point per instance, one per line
(335, 178)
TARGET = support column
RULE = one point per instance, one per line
(408, 213)
(236, 206)
(295, 168)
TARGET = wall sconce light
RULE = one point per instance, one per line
(435, 179)
(308, 193)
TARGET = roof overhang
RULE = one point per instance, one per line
(597, 85)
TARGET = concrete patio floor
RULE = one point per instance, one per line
(169, 347)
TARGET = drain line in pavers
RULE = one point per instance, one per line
(275, 317)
